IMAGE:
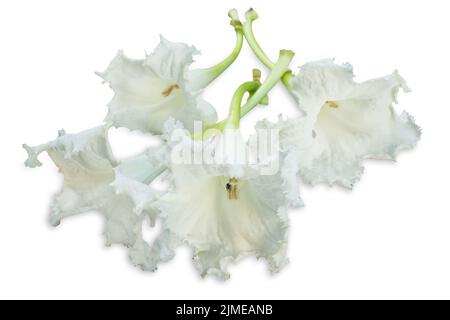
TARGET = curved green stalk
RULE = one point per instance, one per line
(201, 78)
(247, 27)
(234, 115)
(258, 92)
(276, 74)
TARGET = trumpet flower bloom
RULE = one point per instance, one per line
(95, 181)
(344, 122)
(226, 210)
(149, 91)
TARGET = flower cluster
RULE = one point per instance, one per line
(226, 198)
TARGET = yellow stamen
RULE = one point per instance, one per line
(331, 104)
(256, 75)
(169, 90)
(232, 189)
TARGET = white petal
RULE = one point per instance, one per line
(131, 203)
(121, 218)
(204, 111)
(285, 162)
(147, 92)
(322, 80)
(142, 168)
(199, 212)
(346, 122)
(129, 197)
(286, 181)
(86, 162)
(222, 230)
(141, 194)
(171, 60)
(94, 181)
(149, 256)
(228, 154)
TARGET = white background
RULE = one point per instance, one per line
(388, 238)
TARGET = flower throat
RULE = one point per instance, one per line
(232, 189)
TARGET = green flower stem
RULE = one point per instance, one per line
(256, 73)
(247, 27)
(232, 122)
(234, 116)
(258, 92)
(277, 72)
(201, 78)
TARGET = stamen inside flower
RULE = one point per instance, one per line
(169, 90)
(232, 189)
(331, 104)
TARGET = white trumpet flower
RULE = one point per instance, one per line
(227, 211)
(95, 181)
(345, 122)
(227, 199)
(149, 91)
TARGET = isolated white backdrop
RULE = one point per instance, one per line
(388, 238)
